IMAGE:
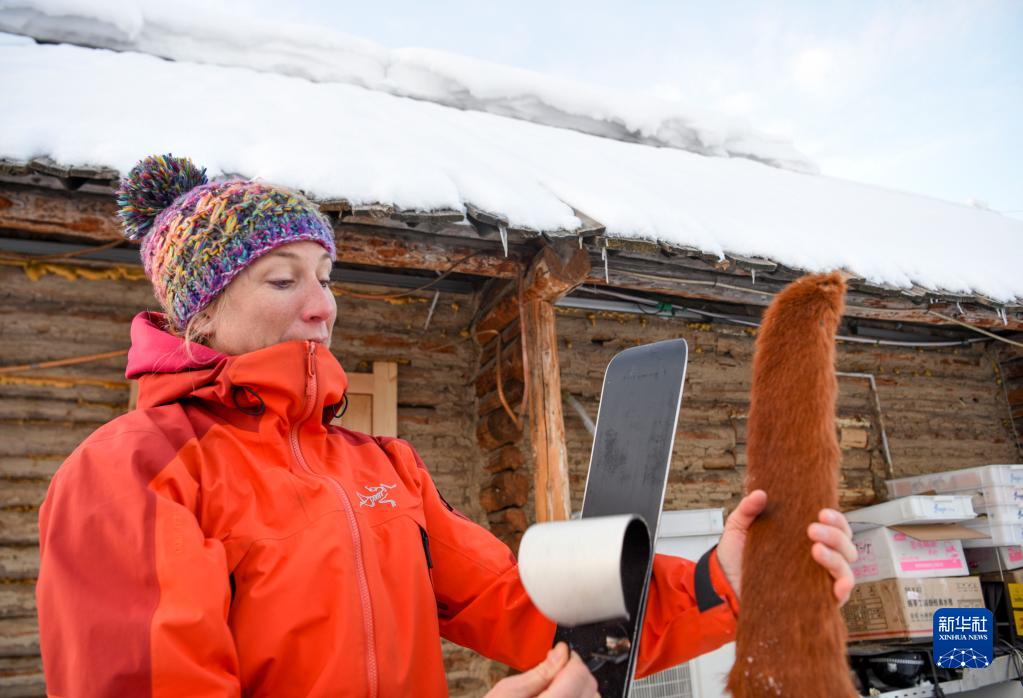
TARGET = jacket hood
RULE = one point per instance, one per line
(280, 379)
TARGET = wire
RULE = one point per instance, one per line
(516, 419)
(992, 335)
(404, 294)
(749, 323)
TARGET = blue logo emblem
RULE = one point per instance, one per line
(963, 637)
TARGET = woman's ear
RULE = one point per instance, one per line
(203, 325)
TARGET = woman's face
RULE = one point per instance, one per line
(282, 296)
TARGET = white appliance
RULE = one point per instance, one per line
(689, 534)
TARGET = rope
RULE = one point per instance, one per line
(60, 255)
(75, 360)
(516, 419)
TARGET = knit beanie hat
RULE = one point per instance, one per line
(198, 235)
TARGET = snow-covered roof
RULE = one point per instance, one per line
(202, 32)
(82, 106)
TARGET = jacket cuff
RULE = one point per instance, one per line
(712, 586)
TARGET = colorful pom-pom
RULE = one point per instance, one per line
(151, 186)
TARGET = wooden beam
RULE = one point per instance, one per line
(390, 248)
(858, 305)
(92, 218)
(551, 275)
(45, 211)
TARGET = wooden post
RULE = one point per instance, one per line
(546, 421)
(548, 279)
(385, 398)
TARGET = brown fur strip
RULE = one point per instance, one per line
(791, 638)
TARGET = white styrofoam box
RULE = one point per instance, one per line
(1000, 534)
(885, 553)
(984, 476)
(689, 533)
(1002, 496)
(994, 559)
(944, 508)
(1003, 514)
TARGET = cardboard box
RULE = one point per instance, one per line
(1015, 595)
(908, 552)
(903, 609)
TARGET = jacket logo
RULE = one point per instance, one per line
(377, 495)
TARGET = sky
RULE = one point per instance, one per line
(923, 97)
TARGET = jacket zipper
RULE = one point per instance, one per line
(353, 526)
(426, 550)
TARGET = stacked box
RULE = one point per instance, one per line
(903, 609)
(910, 537)
(997, 492)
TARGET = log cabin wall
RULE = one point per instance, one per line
(942, 408)
(45, 414)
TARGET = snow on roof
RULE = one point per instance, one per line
(198, 31)
(97, 107)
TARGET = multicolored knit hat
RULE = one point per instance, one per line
(197, 235)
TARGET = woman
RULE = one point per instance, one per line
(210, 542)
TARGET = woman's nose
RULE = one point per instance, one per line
(318, 304)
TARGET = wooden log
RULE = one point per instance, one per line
(30, 467)
(505, 458)
(553, 273)
(492, 401)
(509, 488)
(550, 276)
(511, 369)
(22, 492)
(17, 600)
(19, 526)
(546, 420)
(488, 341)
(19, 637)
(501, 315)
(22, 676)
(19, 562)
(497, 429)
(513, 518)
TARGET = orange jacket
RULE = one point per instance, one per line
(222, 536)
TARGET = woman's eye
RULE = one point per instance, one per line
(325, 283)
(280, 283)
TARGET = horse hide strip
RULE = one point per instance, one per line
(791, 637)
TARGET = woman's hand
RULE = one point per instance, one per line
(560, 675)
(833, 548)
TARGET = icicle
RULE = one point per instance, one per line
(753, 276)
(959, 307)
(580, 242)
(504, 236)
(603, 255)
